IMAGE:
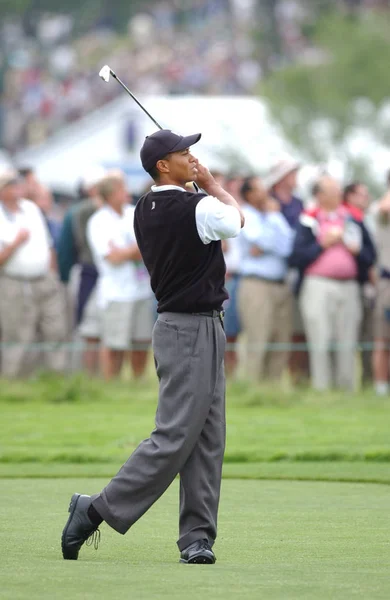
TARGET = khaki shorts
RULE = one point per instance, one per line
(91, 325)
(126, 323)
(382, 304)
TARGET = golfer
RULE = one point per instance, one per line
(179, 234)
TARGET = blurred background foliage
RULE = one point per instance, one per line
(335, 90)
(344, 89)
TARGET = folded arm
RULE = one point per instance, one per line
(272, 235)
(117, 256)
(306, 249)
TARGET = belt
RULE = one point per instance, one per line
(23, 279)
(211, 313)
(278, 281)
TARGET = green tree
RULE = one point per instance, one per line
(116, 11)
(321, 104)
(13, 7)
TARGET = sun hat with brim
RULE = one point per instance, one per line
(279, 171)
(163, 142)
(7, 177)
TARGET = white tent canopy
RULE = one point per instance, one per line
(235, 130)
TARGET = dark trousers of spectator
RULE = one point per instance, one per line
(366, 339)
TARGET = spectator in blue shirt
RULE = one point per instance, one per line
(264, 297)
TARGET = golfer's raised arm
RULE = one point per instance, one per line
(206, 181)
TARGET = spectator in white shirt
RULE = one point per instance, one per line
(32, 305)
(124, 295)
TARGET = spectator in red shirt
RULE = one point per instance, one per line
(333, 253)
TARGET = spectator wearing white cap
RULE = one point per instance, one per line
(124, 295)
(31, 302)
(73, 249)
(281, 182)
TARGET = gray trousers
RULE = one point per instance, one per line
(189, 437)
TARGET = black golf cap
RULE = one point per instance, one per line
(163, 142)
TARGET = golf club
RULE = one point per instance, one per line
(105, 73)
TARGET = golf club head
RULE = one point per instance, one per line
(105, 73)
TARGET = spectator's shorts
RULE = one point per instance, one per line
(90, 326)
(231, 321)
(126, 323)
(382, 311)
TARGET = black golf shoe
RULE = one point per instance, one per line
(79, 528)
(198, 553)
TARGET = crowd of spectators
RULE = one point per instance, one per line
(309, 282)
(48, 70)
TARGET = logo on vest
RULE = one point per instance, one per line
(153, 205)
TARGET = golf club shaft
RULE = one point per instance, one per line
(197, 189)
(135, 99)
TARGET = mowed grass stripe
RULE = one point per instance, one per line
(324, 471)
(80, 421)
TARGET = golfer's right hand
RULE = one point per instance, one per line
(204, 177)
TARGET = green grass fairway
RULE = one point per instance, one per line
(304, 511)
(277, 539)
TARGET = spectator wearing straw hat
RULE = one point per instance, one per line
(31, 301)
(281, 182)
